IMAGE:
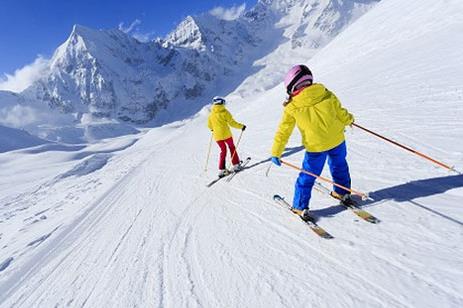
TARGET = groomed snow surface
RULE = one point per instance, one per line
(129, 222)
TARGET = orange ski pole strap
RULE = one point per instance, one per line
(358, 193)
(408, 149)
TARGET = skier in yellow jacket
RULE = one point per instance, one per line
(321, 120)
(219, 123)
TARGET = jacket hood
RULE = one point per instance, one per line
(310, 96)
(218, 108)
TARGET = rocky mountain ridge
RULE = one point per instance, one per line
(109, 74)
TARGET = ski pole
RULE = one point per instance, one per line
(268, 169)
(358, 193)
(208, 153)
(445, 166)
(236, 147)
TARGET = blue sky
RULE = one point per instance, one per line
(36, 27)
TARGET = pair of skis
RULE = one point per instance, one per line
(231, 174)
(354, 207)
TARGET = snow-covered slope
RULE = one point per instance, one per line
(306, 26)
(13, 139)
(35, 118)
(132, 224)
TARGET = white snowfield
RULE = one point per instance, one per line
(129, 222)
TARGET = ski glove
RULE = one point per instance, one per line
(276, 160)
(244, 127)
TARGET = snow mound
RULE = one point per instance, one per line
(89, 165)
(83, 133)
(14, 139)
(98, 131)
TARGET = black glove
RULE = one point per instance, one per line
(244, 127)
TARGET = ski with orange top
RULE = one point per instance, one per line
(350, 204)
(311, 223)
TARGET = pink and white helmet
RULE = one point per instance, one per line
(296, 76)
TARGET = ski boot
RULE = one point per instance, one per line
(236, 167)
(223, 172)
(305, 214)
(345, 200)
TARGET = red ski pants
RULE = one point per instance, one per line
(223, 152)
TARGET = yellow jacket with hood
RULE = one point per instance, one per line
(320, 118)
(219, 122)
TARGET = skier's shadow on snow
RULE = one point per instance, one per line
(407, 193)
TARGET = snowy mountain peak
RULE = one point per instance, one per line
(109, 74)
(187, 34)
(280, 5)
(78, 42)
(82, 37)
(82, 30)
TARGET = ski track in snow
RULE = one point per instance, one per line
(347, 272)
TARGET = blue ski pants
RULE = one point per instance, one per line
(314, 162)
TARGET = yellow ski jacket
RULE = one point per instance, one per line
(320, 118)
(219, 122)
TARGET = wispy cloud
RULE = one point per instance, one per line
(24, 77)
(135, 31)
(131, 27)
(230, 13)
(144, 37)
(18, 116)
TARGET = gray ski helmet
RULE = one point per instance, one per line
(218, 100)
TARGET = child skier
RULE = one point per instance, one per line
(219, 123)
(321, 120)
